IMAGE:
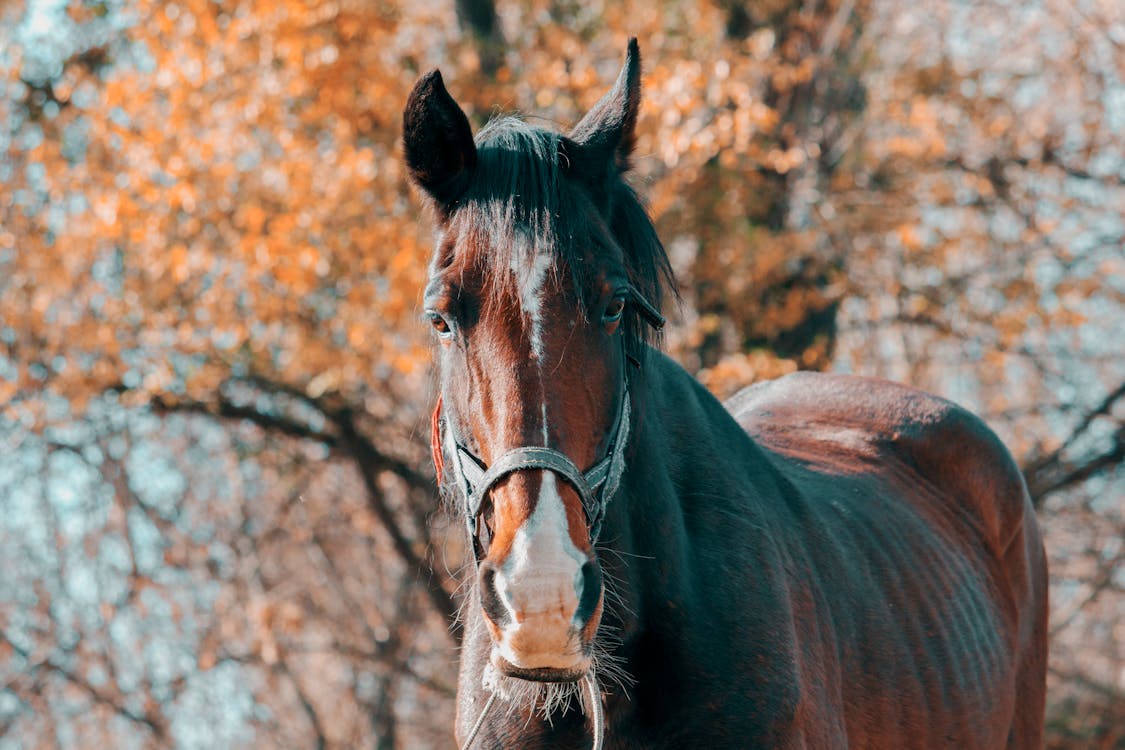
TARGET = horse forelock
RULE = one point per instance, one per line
(521, 208)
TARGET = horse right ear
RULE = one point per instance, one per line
(608, 131)
(438, 141)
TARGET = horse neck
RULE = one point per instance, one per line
(684, 443)
(683, 446)
(686, 450)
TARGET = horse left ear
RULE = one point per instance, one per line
(608, 131)
(438, 141)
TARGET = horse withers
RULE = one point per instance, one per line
(821, 562)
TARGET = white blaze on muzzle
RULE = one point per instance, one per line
(540, 584)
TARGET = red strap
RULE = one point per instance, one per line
(435, 441)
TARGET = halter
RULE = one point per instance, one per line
(595, 487)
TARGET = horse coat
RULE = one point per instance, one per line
(823, 562)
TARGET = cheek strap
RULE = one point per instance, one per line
(436, 452)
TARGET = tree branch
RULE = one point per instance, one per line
(225, 409)
(1051, 473)
(282, 667)
(1101, 688)
(154, 723)
(1055, 477)
(1089, 590)
(369, 462)
(478, 18)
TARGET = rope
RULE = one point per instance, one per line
(597, 717)
(597, 714)
(480, 722)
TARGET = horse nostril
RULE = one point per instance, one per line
(490, 600)
(591, 592)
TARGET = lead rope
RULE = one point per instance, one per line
(480, 722)
(597, 715)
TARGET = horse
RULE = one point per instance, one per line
(823, 561)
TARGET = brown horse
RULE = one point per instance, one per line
(822, 562)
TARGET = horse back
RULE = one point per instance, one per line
(914, 529)
(845, 425)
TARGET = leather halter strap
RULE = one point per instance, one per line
(436, 453)
(594, 486)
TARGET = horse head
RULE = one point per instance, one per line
(537, 292)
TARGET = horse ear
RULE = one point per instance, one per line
(438, 141)
(609, 129)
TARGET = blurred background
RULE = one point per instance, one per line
(218, 524)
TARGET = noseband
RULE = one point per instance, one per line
(595, 486)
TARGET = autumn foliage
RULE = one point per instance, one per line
(210, 263)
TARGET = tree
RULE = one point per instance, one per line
(206, 237)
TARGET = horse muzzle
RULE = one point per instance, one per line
(542, 625)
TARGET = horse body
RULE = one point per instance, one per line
(912, 532)
(823, 562)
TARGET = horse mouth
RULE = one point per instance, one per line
(538, 674)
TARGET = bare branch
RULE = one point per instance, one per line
(370, 462)
(225, 409)
(155, 723)
(1051, 473)
(282, 667)
(478, 18)
(1101, 688)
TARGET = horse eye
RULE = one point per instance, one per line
(440, 324)
(614, 310)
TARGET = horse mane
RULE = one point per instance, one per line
(522, 203)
